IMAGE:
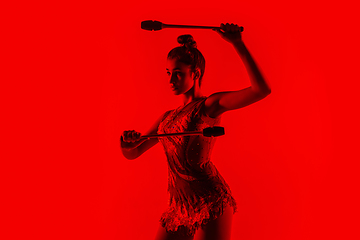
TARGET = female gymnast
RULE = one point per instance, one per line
(200, 204)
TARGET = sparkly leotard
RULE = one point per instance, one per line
(198, 193)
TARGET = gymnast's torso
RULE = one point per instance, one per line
(198, 193)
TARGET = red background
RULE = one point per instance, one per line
(75, 75)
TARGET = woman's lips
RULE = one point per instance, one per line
(173, 88)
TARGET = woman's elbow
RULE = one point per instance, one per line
(130, 155)
(265, 92)
(268, 91)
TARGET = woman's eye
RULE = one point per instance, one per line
(175, 73)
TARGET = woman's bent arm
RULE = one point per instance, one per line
(258, 83)
(132, 150)
(220, 102)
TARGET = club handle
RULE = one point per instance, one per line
(193, 26)
(172, 134)
(214, 131)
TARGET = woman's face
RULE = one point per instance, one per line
(180, 76)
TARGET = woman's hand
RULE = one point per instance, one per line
(230, 32)
(131, 139)
(130, 136)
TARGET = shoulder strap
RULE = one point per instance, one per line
(199, 107)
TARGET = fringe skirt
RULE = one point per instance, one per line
(185, 218)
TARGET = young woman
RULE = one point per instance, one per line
(200, 199)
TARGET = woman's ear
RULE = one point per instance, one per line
(196, 74)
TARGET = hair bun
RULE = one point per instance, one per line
(187, 41)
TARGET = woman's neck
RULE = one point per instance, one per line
(191, 95)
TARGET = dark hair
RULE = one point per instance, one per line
(188, 53)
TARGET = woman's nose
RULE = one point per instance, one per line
(173, 79)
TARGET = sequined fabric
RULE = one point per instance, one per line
(198, 193)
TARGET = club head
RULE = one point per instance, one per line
(151, 25)
(213, 131)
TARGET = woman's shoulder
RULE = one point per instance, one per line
(201, 110)
(166, 113)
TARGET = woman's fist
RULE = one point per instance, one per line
(130, 136)
(230, 32)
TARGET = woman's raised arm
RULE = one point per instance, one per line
(221, 102)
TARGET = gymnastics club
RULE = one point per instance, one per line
(151, 25)
(206, 132)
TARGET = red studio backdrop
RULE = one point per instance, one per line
(77, 74)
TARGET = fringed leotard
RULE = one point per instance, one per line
(198, 193)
